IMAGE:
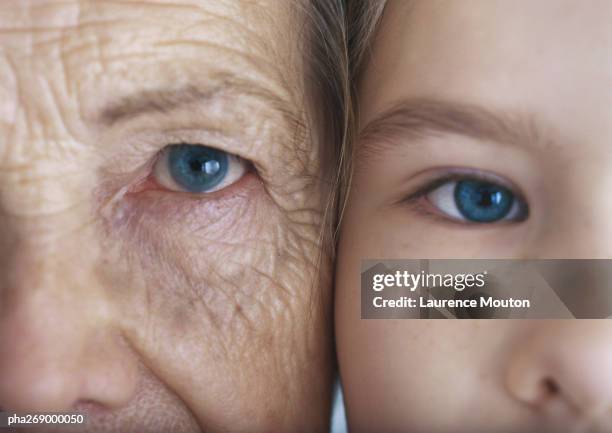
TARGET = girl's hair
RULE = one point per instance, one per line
(337, 36)
(364, 17)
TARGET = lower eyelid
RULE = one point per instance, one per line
(423, 208)
(150, 184)
(151, 215)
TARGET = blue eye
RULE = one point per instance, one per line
(483, 201)
(197, 169)
(477, 201)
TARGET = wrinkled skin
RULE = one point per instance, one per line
(159, 310)
(545, 68)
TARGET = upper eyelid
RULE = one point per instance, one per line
(454, 174)
(140, 148)
(140, 141)
(269, 143)
(231, 101)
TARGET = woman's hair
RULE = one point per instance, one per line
(337, 35)
(327, 83)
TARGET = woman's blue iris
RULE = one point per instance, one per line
(483, 202)
(197, 168)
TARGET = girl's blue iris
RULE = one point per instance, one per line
(483, 202)
(197, 168)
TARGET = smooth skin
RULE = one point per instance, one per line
(522, 92)
(155, 309)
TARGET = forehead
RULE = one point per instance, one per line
(551, 57)
(95, 49)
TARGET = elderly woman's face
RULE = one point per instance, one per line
(158, 219)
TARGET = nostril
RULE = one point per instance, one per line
(551, 387)
(90, 407)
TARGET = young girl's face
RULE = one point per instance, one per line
(518, 96)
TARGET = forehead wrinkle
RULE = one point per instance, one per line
(239, 53)
(102, 56)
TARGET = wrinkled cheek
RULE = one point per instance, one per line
(214, 298)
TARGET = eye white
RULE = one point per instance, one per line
(443, 199)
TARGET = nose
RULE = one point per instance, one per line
(567, 362)
(58, 348)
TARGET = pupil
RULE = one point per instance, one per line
(488, 197)
(482, 201)
(208, 167)
(197, 168)
(195, 165)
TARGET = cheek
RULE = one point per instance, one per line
(416, 362)
(194, 256)
(412, 361)
(213, 290)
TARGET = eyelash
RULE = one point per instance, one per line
(419, 201)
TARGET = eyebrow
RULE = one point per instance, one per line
(153, 101)
(166, 100)
(422, 118)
